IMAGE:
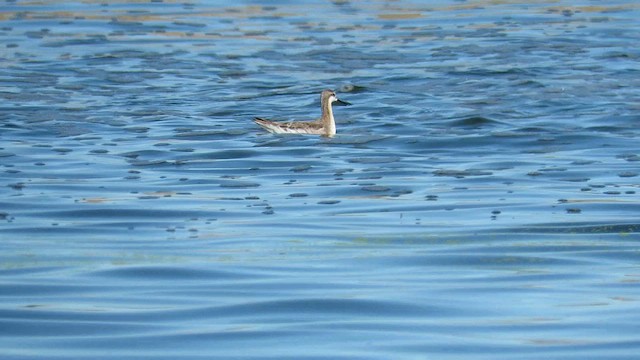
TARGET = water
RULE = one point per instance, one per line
(480, 200)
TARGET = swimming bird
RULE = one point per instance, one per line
(325, 125)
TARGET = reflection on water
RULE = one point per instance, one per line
(480, 199)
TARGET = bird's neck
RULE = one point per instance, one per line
(328, 122)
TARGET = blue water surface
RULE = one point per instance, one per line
(480, 201)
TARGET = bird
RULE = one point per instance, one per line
(325, 125)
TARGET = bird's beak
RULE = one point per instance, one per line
(341, 103)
